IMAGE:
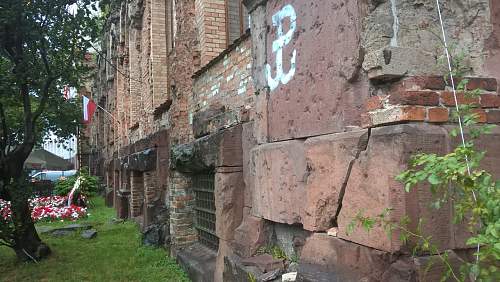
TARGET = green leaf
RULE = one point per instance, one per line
(434, 179)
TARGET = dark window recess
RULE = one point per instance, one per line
(237, 19)
(203, 186)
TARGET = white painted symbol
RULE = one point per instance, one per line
(286, 12)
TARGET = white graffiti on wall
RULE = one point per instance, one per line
(282, 39)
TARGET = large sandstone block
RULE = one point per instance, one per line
(279, 190)
(326, 258)
(312, 67)
(229, 188)
(371, 187)
(329, 159)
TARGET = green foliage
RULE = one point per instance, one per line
(251, 277)
(473, 192)
(43, 47)
(275, 251)
(89, 185)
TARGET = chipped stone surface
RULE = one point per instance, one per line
(416, 29)
(215, 150)
(319, 98)
(279, 184)
(372, 187)
(328, 160)
(228, 203)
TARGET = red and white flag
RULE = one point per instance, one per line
(89, 108)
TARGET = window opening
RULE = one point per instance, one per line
(203, 186)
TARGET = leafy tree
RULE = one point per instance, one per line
(43, 44)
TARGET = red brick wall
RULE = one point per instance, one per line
(429, 99)
(228, 82)
(136, 192)
(211, 25)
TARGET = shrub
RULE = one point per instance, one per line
(89, 185)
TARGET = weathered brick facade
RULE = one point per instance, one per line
(228, 139)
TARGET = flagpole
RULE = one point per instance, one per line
(111, 115)
(114, 119)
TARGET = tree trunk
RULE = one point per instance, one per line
(27, 243)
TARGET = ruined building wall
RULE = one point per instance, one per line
(280, 135)
(131, 83)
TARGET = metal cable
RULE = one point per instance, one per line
(448, 57)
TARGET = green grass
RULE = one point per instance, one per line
(115, 254)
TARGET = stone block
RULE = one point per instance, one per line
(215, 118)
(329, 159)
(395, 62)
(396, 114)
(264, 262)
(203, 122)
(223, 252)
(250, 235)
(248, 142)
(198, 261)
(279, 181)
(320, 93)
(122, 205)
(229, 189)
(230, 152)
(325, 258)
(371, 187)
(425, 268)
(261, 124)
(219, 149)
(235, 271)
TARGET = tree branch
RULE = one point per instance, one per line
(46, 87)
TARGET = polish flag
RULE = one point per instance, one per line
(89, 108)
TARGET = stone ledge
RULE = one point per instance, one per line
(198, 261)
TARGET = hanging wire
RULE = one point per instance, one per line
(450, 69)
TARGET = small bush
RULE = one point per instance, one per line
(89, 185)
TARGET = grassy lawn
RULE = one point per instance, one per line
(114, 255)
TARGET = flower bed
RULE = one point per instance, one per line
(47, 208)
